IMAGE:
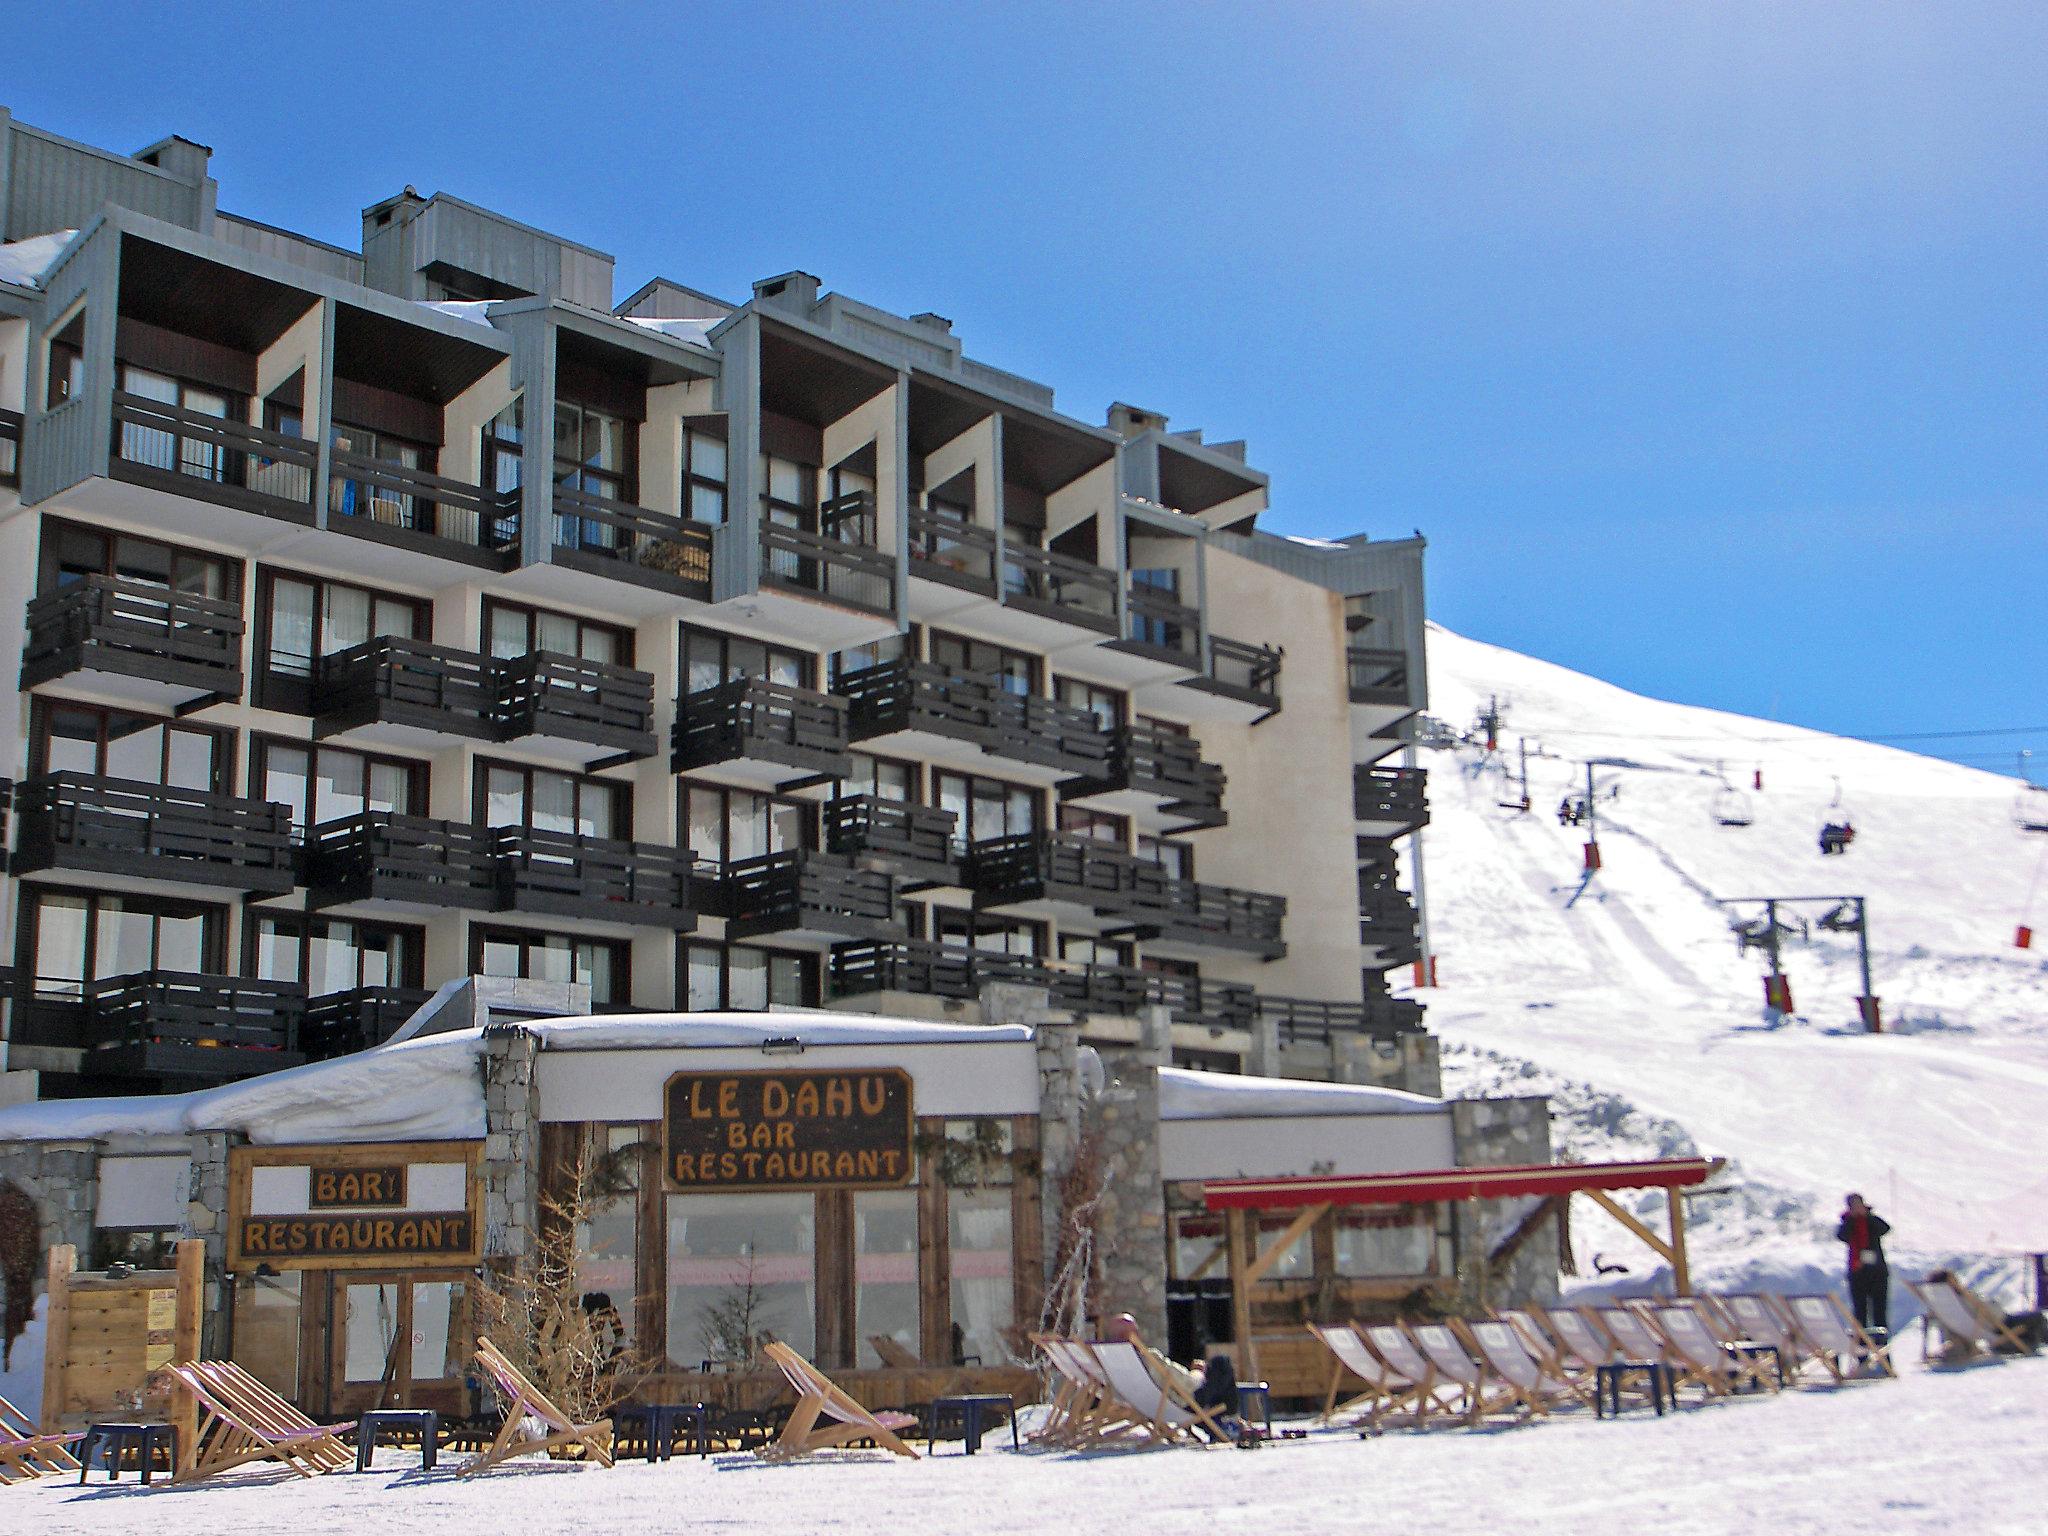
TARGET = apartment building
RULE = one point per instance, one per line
(396, 615)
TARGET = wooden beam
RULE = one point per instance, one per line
(1681, 1272)
(1307, 1217)
(1613, 1208)
(1240, 1295)
(1216, 1255)
(57, 1335)
(185, 1334)
(1504, 1252)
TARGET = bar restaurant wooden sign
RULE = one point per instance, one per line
(371, 1206)
(727, 1132)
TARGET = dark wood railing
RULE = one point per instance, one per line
(975, 708)
(954, 971)
(1390, 794)
(1249, 671)
(839, 564)
(566, 874)
(610, 537)
(342, 1023)
(1376, 676)
(1059, 586)
(1117, 989)
(947, 549)
(1161, 622)
(211, 457)
(1151, 760)
(10, 447)
(802, 889)
(857, 825)
(417, 510)
(118, 624)
(85, 821)
(384, 856)
(406, 682)
(174, 1023)
(752, 718)
(1382, 1017)
(550, 693)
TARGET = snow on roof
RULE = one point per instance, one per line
(431, 1089)
(475, 311)
(1302, 538)
(23, 262)
(694, 330)
(1186, 1095)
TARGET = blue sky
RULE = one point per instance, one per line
(1705, 342)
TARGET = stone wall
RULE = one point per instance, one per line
(61, 1178)
(206, 1218)
(1131, 1216)
(511, 1141)
(1498, 1133)
(1407, 1062)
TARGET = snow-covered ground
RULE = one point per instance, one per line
(1935, 1452)
(1626, 997)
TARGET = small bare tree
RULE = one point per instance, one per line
(735, 1326)
(532, 1308)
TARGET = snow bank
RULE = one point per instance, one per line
(710, 1031)
(21, 1381)
(692, 330)
(1185, 1095)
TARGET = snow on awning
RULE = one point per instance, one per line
(1420, 1187)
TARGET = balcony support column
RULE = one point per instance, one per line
(1130, 1213)
(206, 1219)
(511, 1135)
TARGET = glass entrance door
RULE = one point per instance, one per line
(398, 1341)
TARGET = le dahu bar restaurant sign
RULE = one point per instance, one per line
(355, 1207)
(725, 1132)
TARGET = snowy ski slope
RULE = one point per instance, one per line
(1625, 994)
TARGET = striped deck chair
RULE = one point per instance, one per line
(1758, 1320)
(1971, 1328)
(1158, 1401)
(1581, 1346)
(1534, 1380)
(1444, 1350)
(1635, 1339)
(820, 1397)
(241, 1420)
(1831, 1336)
(1081, 1413)
(1393, 1345)
(526, 1406)
(1703, 1355)
(1385, 1388)
(1548, 1352)
(27, 1452)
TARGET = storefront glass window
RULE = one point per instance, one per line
(885, 1270)
(983, 1305)
(607, 1244)
(1395, 1241)
(1299, 1260)
(742, 1269)
(267, 1330)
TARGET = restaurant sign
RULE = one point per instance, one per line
(727, 1132)
(364, 1206)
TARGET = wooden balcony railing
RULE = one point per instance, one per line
(1247, 671)
(1158, 621)
(10, 448)
(385, 856)
(1148, 759)
(1302, 1019)
(394, 681)
(947, 549)
(567, 874)
(838, 565)
(213, 458)
(907, 835)
(342, 1023)
(550, 693)
(750, 718)
(1397, 795)
(180, 1025)
(138, 628)
(957, 972)
(434, 514)
(975, 708)
(1059, 586)
(1376, 676)
(803, 889)
(84, 821)
(617, 538)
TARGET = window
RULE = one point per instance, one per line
(717, 979)
(380, 503)
(880, 779)
(990, 935)
(333, 954)
(1177, 859)
(504, 443)
(1015, 671)
(1148, 629)
(323, 784)
(979, 1219)
(600, 964)
(1097, 826)
(590, 450)
(789, 492)
(608, 1242)
(1081, 949)
(512, 629)
(985, 808)
(885, 1271)
(72, 937)
(723, 826)
(1298, 1260)
(514, 795)
(742, 1269)
(704, 476)
(874, 654)
(66, 374)
(71, 553)
(1384, 1240)
(849, 513)
(83, 738)
(1105, 704)
(303, 618)
(167, 450)
(710, 658)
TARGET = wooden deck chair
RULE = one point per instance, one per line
(1757, 1320)
(1454, 1363)
(26, 1451)
(1392, 1344)
(1581, 1345)
(241, 1420)
(1385, 1388)
(818, 1396)
(527, 1408)
(1081, 1413)
(1699, 1352)
(1831, 1336)
(1160, 1404)
(1635, 1338)
(1970, 1327)
(1549, 1353)
(892, 1353)
(1535, 1380)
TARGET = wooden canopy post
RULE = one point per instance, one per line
(191, 1308)
(1681, 1272)
(1240, 1294)
(57, 1332)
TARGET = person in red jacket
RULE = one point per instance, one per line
(1862, 1233)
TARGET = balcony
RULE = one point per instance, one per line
(1069, 874)
(804, 576)
(384, 860)
(135, 640)
(85, 824)
(913, 841)
(1159, 778)
(179, 1030)
(1241, 683)
(971, 722)
(1379, 1016)
(1387, 922)
(599, 543)
(342, 1023)
(1376, 676)
(953, 565)
(416, 514)
(10, 449)
(804, 895)
(1389, 802)
(761, 734)
(602, 879)
(405, 693)
(211, 458)
(1112, 989)
(1051, 600)
(546, 700)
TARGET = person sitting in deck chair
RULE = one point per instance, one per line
(1219, 1391)
(1123, 1329)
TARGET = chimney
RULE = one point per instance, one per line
(1130, 420)
(796, 291)
(935, 322)
(178, 156)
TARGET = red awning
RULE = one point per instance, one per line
(1454, 1184)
